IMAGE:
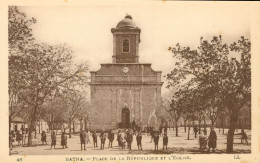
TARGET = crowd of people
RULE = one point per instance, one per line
(124, 138)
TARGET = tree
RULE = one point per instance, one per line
(19, 35)
(212, 68)
(44, 71)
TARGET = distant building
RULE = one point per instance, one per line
(124, 90)
(18, 123)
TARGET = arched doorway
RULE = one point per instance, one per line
(125, 121)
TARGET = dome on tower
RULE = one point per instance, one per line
(126, 22)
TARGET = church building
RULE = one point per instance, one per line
(125, 90)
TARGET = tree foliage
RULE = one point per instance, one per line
(217, 80)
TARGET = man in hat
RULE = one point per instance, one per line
(83, 136)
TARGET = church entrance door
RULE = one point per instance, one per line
(125, 118)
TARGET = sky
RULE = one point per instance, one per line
(87, 29)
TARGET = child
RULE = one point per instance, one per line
(165, 141)
(53, 140)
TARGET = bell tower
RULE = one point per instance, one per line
(126, 39)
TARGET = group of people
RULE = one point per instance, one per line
(19, 136)
(124, 138)
(54, 139)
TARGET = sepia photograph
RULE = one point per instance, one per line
(129, 79)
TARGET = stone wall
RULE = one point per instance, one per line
(108, 102)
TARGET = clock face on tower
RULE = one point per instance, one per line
(125, 69)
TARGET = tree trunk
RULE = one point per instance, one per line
(199, 125)
(73, 127)
(205, 125)
(176, 125)
(70, 129)
(231, 131)
(185, 126)
(85, 124)
(39, 127)
(189, 130)
(212, 123)
(35, 132)
(30, 128)
(223, 127)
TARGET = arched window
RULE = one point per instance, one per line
(126, 48)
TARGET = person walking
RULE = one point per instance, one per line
(43, 137)
(165, 141)
(110, 138)
(212, 140)
(244, 137)
(129, 139)
(139, 140)
(94, 136)
(152, 134)
(11, 139)
(119, 139)
(83, 136)
(102, 139)
(156, 140)
(53, 139)
(18, 137)
(64, 140)
(195, 131)
(123, 140)
(88, 137)
(23, 136)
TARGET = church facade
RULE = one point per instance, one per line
(125, 90)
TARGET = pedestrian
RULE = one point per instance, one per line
(43, 137)
(119, 139)
(11, 139)
(156, 140)
(123, 140)
(88, 137)
(102, 139)
(165, 141)
(212, 140)
(18, 137)
(129, 139)
(83, 136)
(152, 133)
(64, 140)
(244, 137)
(53, 139)
(94, 136)
(195, 131)
(23, 137)
(139, 140)
(110, 138)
